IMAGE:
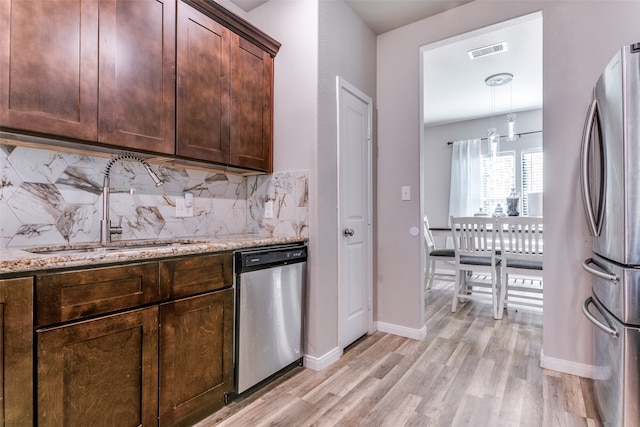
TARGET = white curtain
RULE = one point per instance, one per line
(465, 197)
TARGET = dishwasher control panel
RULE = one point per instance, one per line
(268, 256)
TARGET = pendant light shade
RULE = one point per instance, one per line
(511, 127)
(494, 139)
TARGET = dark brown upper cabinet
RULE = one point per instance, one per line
(251, 105)
(49, 67)
(95, 71)
(204, 65)
(225, 88)
(105, 72)
(136, 79)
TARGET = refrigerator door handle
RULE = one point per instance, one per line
(586, 266)
(606, 328)
(595, 224)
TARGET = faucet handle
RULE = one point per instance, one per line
(117, 229)
(131, 191)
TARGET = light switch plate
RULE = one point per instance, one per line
(406, 192)
(268, 209)
(181, 210)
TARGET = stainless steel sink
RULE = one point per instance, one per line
(113, 247)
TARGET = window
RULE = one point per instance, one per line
(498, 178)
(481, 181)
(531, 176)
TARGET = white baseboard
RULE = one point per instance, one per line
(324, 361)
(327, 359)
(573, 368)
(403, 331)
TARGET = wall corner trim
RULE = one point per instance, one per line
(573, 368)
(324, 361)
(403, 331)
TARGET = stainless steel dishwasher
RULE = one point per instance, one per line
(270, 287)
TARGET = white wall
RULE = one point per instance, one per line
(579, 39)
(320, 39)
(436, 159)
(347, 49)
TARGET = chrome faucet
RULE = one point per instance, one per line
(106, 230)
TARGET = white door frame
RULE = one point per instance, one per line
(341, 85)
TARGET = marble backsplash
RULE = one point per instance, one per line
(52, 197)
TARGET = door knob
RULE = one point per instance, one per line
(348, 232)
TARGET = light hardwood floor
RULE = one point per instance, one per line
(470, 370)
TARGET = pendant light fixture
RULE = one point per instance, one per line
(492, 81)
(511, 117)
(511, 127)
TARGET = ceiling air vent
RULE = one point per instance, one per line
(488, 50)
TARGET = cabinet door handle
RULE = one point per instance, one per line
(348, 232)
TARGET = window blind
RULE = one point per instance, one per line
(531, 176)
(498, 178)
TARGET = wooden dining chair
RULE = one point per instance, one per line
(521, 252)
(435, 255)
(474, 240)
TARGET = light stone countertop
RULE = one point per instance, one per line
(16, 262)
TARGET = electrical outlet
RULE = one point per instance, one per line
(181, 210)
(268, 209)
(188, 199)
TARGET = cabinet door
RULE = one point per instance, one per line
(196, 357)
(204, 68)
(137, 74)
(16, 352)
(101, 372)
(251, 105)
(49, 67)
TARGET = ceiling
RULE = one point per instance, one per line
(382, 15)
(454, 85)
(386, 15)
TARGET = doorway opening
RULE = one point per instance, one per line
(458, 105)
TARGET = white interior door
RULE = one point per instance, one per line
(354, 212)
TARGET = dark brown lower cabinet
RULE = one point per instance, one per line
(196, 356)
(16, 352)
(111, 352)
(99, 372)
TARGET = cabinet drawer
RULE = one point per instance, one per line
(190, 276)
(76, 294)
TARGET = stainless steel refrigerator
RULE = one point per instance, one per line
(611, 193)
